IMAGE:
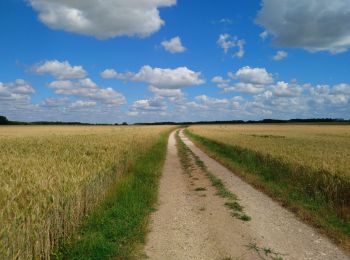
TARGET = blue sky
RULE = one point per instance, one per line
(168, 60)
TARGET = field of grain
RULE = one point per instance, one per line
(52, 176)
(321, 147)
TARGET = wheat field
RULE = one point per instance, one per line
(321, 147)
(304, 166)
(52, 176)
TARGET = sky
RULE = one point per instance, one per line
(110, 61)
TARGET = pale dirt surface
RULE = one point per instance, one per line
(191, 224)
(278, 228)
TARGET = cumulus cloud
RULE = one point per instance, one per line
(54, 102)
(264, 35)
(80, 104)
(227, 42)
(280, 55)
(59, 69)
(219, 80)
(258, 76)
(148, 107)
(173, 45)
(164, 78)
(15, 99)
(169, 93)
(109, 73)
(99, 104)
(19, 89)
(20, 86)
(246, 88)
(250, 80)
(283, 89)
(210, 102)
(324, 95)
(240, 52)
(105, 19)
(88, 89)
(204, 107)
(315, 25)
(341, 89)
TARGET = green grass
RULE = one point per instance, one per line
(119, 225)
(298, 189)
(265, 253)
(186, 156)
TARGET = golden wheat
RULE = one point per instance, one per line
(321, 147)
(51, 176)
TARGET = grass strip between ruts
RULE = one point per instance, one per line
(277, 180)
(186, 155)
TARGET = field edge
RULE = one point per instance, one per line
(118, 226)
(308, 210)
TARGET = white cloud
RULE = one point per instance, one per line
(339, 99)
(219, 80)
(80, 104)
(240, 52)
(88, 89)
(210, 102)
(283, 89)
(3, 89)
(264, 35)
(341, 89)
(19, 89)
(323, 95)
(54, 102)
(164, 78)
(163, 92)
(227, 42)
(105, 19)
(315, 25)
(109, 73)
(20, 86)
(280, 55)
(258, 76)
(174, 45)
(246, 88)
(60, 70)
(251, 80)
(147, 107)
(15, 99)
(225, 21)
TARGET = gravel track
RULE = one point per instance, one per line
(190, 224)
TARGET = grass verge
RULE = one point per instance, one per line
(186, 155)
(116, 227)
(298, 189)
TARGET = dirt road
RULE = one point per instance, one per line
(191, 221)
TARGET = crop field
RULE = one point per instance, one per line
(52, 176)
(321, 147)
(307, 167)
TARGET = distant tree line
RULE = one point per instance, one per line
(5, 121)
